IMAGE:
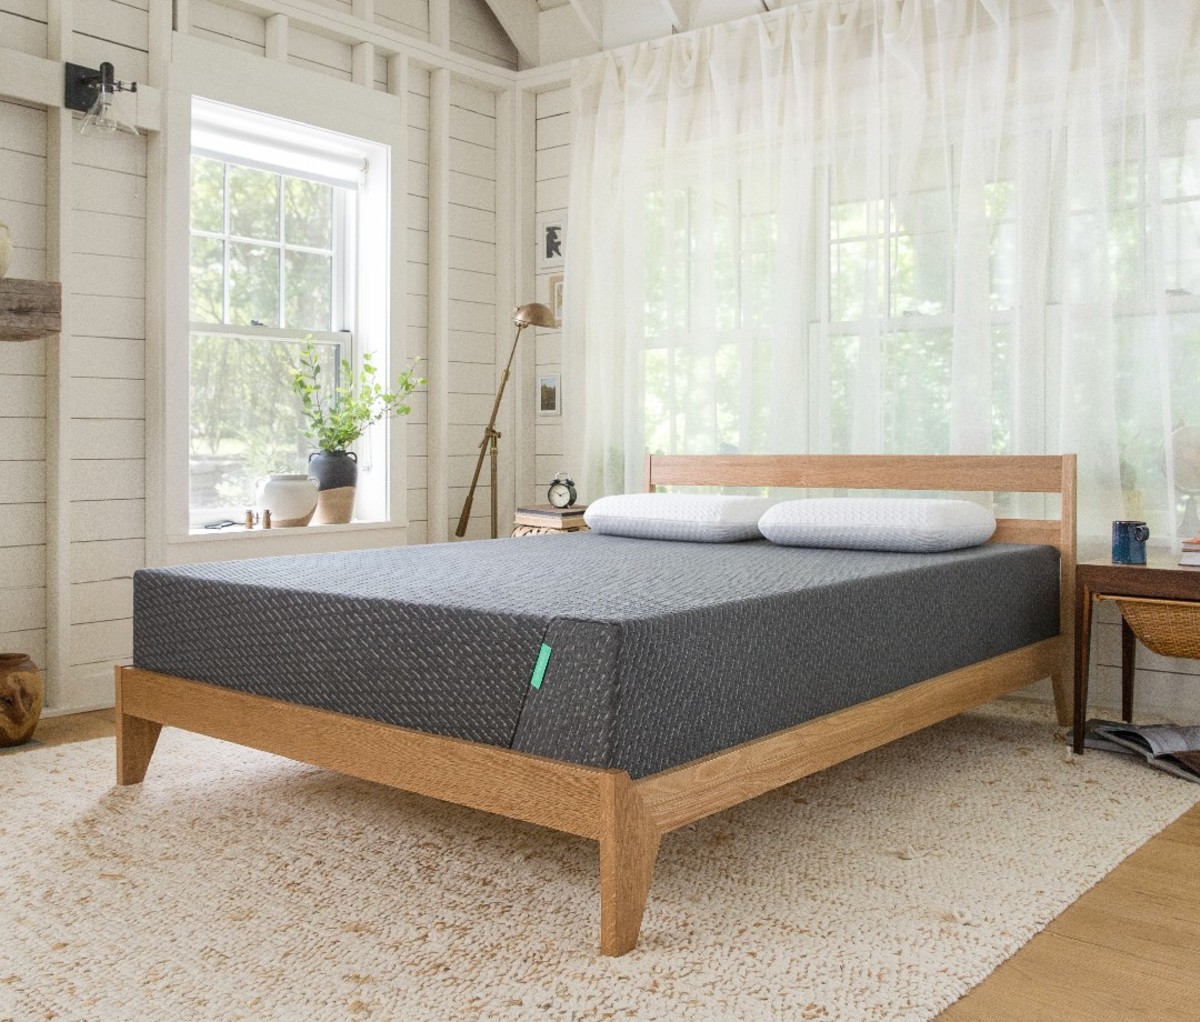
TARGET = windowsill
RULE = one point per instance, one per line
(241, 533)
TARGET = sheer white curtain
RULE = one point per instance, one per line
(967, 226)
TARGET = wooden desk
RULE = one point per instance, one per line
(1161, 578)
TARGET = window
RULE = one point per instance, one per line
(274, 214)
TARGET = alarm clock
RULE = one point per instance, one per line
(562, 491)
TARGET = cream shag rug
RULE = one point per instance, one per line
(236, 885)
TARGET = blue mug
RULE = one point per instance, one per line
(1129, 542)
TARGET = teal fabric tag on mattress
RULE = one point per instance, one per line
(539, 669)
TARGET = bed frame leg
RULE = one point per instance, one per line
(136, 739)
(1062, 682)
(629, 842)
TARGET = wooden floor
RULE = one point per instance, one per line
(1127, 951)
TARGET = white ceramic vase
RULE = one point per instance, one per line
(290, 497)
(5, 249)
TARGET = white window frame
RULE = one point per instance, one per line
(237, 136)
(378, 121)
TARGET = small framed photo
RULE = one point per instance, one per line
(555, 297)
(547, 395)
(551, 240)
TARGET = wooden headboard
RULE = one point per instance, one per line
(1000, 473)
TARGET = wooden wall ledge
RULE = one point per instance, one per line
(29, 309)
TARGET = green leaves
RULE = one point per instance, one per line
(339, 416)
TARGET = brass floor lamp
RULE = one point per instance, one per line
(533, 314)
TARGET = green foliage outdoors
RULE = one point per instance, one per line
(337, 417)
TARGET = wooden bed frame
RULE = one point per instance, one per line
(627, 817)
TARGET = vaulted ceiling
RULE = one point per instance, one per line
(548, 31)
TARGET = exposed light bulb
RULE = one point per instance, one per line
(102, 120)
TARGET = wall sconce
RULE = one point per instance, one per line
(92, 92)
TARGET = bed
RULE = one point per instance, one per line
(663, 702)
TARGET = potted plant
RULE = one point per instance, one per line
(339, 416)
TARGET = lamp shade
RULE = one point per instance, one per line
(534, 314)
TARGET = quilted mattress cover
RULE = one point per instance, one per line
(660, 652)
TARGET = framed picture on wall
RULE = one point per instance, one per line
(551, 240)
(547, 395)
(554, 297)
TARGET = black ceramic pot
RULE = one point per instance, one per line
(336, 475)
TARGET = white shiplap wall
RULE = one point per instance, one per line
(100, 370)
(471, 251)
(418, 292)
(553, 134)
(105, 280)
(23, 383)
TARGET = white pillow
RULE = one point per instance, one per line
(692, 517)
(907, 524)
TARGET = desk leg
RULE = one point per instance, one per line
(1128, 665)
(1083, 647)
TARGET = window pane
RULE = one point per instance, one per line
(308, 213)
(1181, 245)
(208, 278)
(253, 284)
(245, 420)
(253, 203)
(916, 388)
(208, 195)
(921, 255)
(309, 290)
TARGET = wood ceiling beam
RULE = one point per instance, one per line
(591, 14)
(676, 16)
(519, 19)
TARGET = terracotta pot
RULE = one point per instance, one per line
(20, 698)
(336, 473)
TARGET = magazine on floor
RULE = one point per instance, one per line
(1165, 746)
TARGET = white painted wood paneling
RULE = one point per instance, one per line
(106, 559)
(22, 567)
(129, 62)
(475, 191)
(109, 234)
(25, 359)
(102, 398)
(109, 479)
(474, 31)
(22, 610)
(321, 54)
(101, 601)
(23, 525)
(107, 519)
(104, 190)
(242, 30)
(474, 346)
(410, 17)
(24, 176)
(105, 316)
(551, 171)
(22, 396)
(22, 482)
(106, 21)
(109, 438)
(23, 34)
(118, 357)
(23, 439)
(101, 641)
(552, 102)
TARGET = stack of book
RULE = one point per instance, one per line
(1191, 551)
(545, 516)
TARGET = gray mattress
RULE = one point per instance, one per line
(662, 652)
